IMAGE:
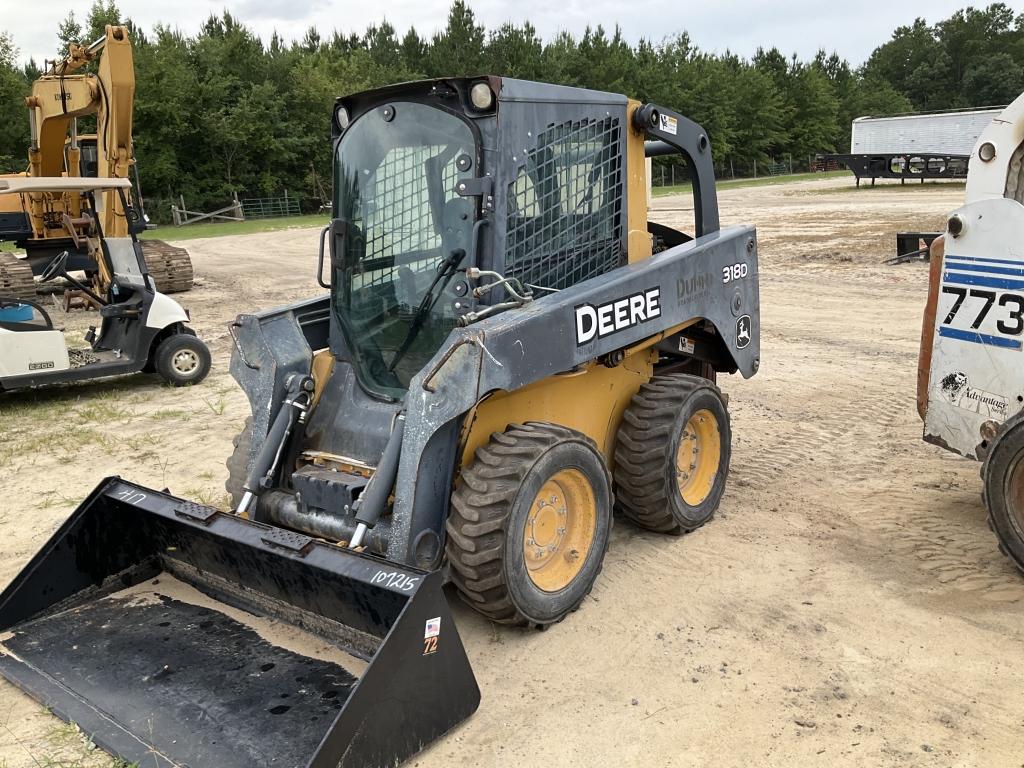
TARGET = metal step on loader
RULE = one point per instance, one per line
(508, 352)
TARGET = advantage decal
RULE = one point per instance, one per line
(956, 389)
(618, 315)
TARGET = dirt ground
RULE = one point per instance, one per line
(848, 605)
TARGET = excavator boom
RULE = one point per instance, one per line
(47, 224)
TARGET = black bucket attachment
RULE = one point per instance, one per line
(176, 635)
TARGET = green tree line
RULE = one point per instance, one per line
(223, 112)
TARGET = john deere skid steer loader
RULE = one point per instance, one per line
(508, 352)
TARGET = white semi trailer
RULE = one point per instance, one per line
(931, 145)
(937, 133)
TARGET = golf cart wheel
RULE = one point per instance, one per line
(1003, 476)
(672, 454)
(529, 524)
(182, 359)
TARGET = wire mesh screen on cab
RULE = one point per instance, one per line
(564, 224)
(399, 218)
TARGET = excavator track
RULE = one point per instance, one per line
(168, 265)
(16, 277)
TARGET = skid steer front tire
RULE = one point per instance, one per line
(529, 524)
(1003, 484)
(672, 454)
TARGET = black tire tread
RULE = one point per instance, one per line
(647, 425)
(238, 463)
(480, 510)
(985, 480)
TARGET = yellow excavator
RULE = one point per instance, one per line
(49, 223)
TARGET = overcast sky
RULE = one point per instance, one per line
(853, 29)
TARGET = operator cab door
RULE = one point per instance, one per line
(402, 237)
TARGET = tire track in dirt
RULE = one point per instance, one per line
(932, 519)
(942, 532)
(837, 441)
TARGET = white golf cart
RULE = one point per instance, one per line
(140, 330)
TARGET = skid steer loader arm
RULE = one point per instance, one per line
(176, 635)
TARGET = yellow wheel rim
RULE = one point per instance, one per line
(698, 457)
(559, 530)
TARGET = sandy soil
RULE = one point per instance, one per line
(848, 606)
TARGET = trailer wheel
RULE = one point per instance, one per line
(182, 359)
(1003, 476)
(672, 454)
(529, 524)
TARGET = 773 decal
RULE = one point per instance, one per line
(1012, 325)
(982, 316)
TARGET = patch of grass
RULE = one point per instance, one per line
(215, 499)
(170, 414)
(221, 228)
(48, 499)
(101, 411)
(63, 733)
(217, 406)
(761, 181)
(69, 738)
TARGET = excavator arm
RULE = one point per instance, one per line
(66, 93)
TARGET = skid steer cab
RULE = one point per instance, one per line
(141, 329)
(970, 379)
(507, 352)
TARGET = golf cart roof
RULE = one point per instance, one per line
(22, 184)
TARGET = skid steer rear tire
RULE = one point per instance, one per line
(667, 418)
(1003, 491)
(529, 524)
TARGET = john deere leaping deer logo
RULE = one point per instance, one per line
(742, 331)
(957, 390)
